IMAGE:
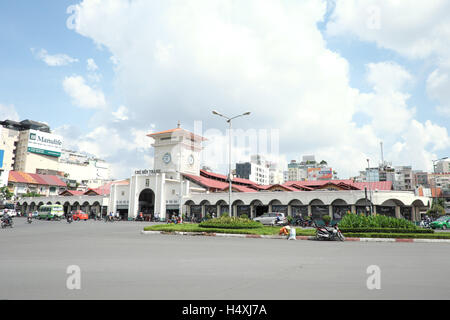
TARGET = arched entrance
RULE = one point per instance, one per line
(147, 203)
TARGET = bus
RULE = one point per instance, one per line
(52, 211)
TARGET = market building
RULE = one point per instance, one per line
(177, 184)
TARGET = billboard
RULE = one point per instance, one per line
(320, 173)
(44, 143)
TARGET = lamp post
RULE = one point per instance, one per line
(229, 151)
(434, 176)
(370, 193)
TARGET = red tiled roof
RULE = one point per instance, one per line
(225, 178)
(206, 182)
(106, 188)
(379, 185)
(34, 178)
(72, 192)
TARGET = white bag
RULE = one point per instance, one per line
(292, 234)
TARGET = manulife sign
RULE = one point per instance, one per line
(44, 143)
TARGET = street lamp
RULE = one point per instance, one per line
(370, 193)
(229, 151)
(434, 176)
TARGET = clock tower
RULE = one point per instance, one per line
(177, 150)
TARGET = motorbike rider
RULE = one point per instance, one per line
(6, 217)
(30, 216)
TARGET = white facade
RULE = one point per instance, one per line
(443, 166)
(8, 141)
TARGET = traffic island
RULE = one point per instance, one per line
(302, 234)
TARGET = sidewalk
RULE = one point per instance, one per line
(231, 235)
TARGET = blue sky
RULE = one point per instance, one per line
(176, 61)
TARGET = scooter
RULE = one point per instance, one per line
(329, 233)
(7, 223)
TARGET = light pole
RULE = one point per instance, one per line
(370, 192)
(229, 152)
(434, 177)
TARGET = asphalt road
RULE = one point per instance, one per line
(117, 262)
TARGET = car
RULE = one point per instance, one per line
(270, 218)
(11, 212)
(80, 215)
(441, 223)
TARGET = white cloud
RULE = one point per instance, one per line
(8, 112)
(438, 87)
(179, 60)
(418, 31)
(83, 95)
(121, 114)
(56, 60)
(91, 65)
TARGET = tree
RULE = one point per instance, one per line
(5, 193)
(30, 195)
(323, 162)
(437, 208)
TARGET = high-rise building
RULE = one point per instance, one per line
(403, 178)
(442, 166)
(29, 146)
(256, 170)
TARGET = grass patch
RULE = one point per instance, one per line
(231, 223)
(268, 230)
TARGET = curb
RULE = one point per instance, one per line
(257, 236)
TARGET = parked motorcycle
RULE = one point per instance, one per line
(69, 219)
(29, 219)
(329, 233)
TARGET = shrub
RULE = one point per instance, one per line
(384, 230)
(378, 221)
(326, 219)
(231, 223)
(244, 216)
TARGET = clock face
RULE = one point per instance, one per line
(166, 158)
(191, 159)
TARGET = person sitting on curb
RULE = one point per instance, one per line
(284, 231)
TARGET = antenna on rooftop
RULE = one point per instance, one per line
(382, 157)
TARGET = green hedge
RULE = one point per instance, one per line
(384, 230)
(376, 222)
(230, 223)
(400, 235)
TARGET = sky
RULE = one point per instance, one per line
(329, 78)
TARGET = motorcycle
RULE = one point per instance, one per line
(29, 219)
(329, 233)
(7, 223)
(69, 219)
(109, 219)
